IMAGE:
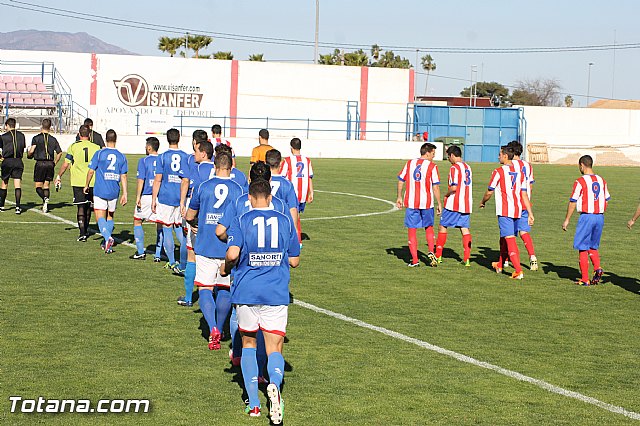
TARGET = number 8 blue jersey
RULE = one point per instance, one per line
(267, 239)
(170, 165)
(211, 198)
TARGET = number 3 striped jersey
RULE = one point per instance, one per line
(508, 183)
(460, 177)
(591, 194)
(298, 169)
(419, 175)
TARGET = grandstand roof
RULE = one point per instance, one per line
(616, 104)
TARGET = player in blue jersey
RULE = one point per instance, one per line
(208, 204)
(146, 174)
(110, 168)
(204, 170)
(165, 201)
(262, 244)
(281, 187)
(259, 171)
(236, 174)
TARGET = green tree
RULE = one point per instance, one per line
(198, 42)
(390, 60)
(170, 44)
(484, 89)
(428, 65)
(568, 101)
(327, 59)
(357, 59)
(257, 57)
(223, 55)
(375, 52)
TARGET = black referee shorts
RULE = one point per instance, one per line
(79, 197)
(43, 171)
(12, 168)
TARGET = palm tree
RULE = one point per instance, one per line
(428, 65)
(257, 57)
(568, 101)
(198, 42)
(358, 58)
(326, 59)
(375, 51)
(223, 55)
(170, 45)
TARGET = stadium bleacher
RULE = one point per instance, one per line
(25, 92)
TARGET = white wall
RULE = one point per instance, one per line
(312, 148)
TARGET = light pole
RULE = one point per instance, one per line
(474, 69)
(589, 83)
(415, 77)
(315, 57)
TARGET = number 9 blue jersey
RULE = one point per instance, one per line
(211, 199)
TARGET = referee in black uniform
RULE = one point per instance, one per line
(13, 146)
(94, 137)
(45, 149)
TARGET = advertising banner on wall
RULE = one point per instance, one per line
(149, 95)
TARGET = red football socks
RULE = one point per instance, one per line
(514, 254)
(431, 239)
(595, 258)
(466, 245)
(528, 243)
(584, 265)
(440, 242)
(413, 245)
(504, 253)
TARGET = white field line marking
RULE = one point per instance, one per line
(467, 359)
(75, 225)
(391, 210)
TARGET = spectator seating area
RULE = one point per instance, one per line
(25, 92)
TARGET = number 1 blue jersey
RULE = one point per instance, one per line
(171, 165)
(147, 172)
(267, 239)
(109, 164)
(211, 199)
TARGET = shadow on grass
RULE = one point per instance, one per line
(305, 237)
(630, 284)
(404, 254)
(485, 256)
(562, 271)
(124, 236)
(54, 206)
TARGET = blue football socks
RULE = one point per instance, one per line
(169, 245)
(138, 235)
(261, 353)
(104, 228)
(208, 307)
(159, 241)
(236, 338)
(249, 367)
(223, 306)
(275, 367)
(189, 277)
(183, 247)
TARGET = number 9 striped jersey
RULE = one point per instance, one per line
(591, 194)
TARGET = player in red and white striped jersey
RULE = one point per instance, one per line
(422, 193)
(511, 198)
(457, 204)
(590, 197)
(523, 225)
(298, 169)
(216, 139)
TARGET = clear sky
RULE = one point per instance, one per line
(427, 24)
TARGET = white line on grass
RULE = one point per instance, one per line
(391, 210)
(467, 359)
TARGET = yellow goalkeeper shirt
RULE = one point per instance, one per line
(79, 156)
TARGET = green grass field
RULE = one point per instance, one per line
(75, 323)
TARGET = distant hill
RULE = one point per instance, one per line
(57, 41)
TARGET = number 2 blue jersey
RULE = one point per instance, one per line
(109, 164)
(171, 165)
(283, 189)
(243, 205)
(267, 239)
(211, 199)
(147, 172)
